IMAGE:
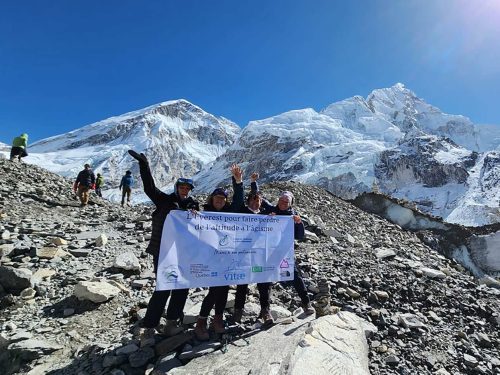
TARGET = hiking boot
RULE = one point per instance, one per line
(145, 336)
(218, 323)
(172, 328)
(308, 309)
(201, 330)
(237, 315)
(266, 317)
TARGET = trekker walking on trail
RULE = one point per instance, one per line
(19, 146)
(254, 206)
(217, 295)
(85, 181)
(99, 182)
(178, 200)
(126, 186)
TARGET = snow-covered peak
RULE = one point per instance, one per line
(178, 138)
(396, 112)
(168, 118)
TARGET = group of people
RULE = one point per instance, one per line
(217, 296)
(180, 199)
(87, 181)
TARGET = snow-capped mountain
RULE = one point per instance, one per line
(392, 140)
(178, 138)
(4, 147)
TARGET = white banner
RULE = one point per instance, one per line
(213, 248)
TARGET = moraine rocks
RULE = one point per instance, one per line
(413, 319)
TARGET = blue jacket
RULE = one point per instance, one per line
(127, 181)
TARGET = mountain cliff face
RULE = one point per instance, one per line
(392, 140)
(177, 136)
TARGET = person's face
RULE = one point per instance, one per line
(218, 201)
(283, 203)
(255, 202)
(183, 190)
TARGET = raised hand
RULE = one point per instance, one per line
(254, 177)
(237, 173)
(141, 158)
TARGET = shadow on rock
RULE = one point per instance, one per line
(69, 306)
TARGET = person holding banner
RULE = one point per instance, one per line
(284, 207)
(217, 295)
(178, 200)
(254, 206)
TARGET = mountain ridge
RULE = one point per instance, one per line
(342, 148)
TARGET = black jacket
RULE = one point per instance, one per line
(164, 204)
(237, 203)
(85, 178)
(267, 208)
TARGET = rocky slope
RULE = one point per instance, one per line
(431, 316)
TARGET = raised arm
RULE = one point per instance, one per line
(266, 206)
(237, 178)
(150, 188)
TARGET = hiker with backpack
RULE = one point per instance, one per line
(99, 182)
(126, 186)
(85, 181)
(19, 146)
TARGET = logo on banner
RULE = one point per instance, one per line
(224, 241)
(284, 264)
(171, 273)
(234, 272)
(257, 269)
(285, 273)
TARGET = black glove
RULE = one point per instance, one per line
(141, 158)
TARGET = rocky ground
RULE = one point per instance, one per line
(74, 281)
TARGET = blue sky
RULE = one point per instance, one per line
(65, 64)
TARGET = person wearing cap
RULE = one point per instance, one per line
(284, 207)
(126, 186)
(178, 200)
(19, 146)
(84, 182)
(217, 295)
(254, 206)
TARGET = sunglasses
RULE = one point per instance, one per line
(185, 181)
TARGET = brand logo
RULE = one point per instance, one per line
(257, 269)
(233, 276)
(285, 273)
(284, 264)
(224, 241)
